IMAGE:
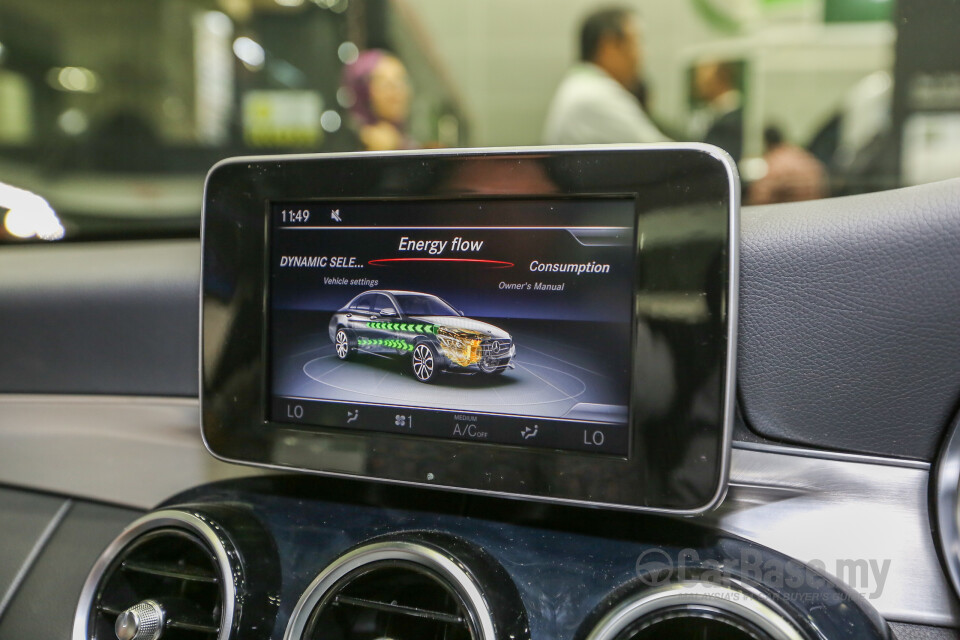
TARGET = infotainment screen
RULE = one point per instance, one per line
(490, 320)
(553, 324)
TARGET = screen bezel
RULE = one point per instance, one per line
(234, 350)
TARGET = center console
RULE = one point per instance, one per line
(494, 390)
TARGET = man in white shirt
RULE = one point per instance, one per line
(595, 102)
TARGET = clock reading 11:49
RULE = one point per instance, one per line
(294, 215)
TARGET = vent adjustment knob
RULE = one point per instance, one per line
(142, 621)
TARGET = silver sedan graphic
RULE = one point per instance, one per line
(435, 336)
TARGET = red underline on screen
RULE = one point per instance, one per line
(493, 264)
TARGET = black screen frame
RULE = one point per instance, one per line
(234, 315)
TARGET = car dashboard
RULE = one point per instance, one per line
(839, 520)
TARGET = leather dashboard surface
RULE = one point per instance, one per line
(850, 320)
(100, 318)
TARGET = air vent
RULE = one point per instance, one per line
(692, 622)
(392, 590)
(947, 505)
(167, 577)
(391, 600)
(695, 611)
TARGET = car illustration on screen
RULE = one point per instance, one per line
(435, 336)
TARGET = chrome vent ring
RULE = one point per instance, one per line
(750, 614)
(946, 516)
(170, 559)
(342, 584)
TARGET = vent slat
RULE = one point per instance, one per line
(398, 608)
(192, 626)
(113, 611)
(171, 623)
(190, 573)
(176, 569)
(391, 599)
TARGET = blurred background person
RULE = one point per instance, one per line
(379, 94)
(597, 100)
(721, 121)
(793, 174)
(201, 80)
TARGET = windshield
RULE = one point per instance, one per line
(423, 305)
(112, 111)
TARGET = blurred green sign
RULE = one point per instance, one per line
(857, 10)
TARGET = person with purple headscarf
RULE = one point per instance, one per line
(377, 84)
